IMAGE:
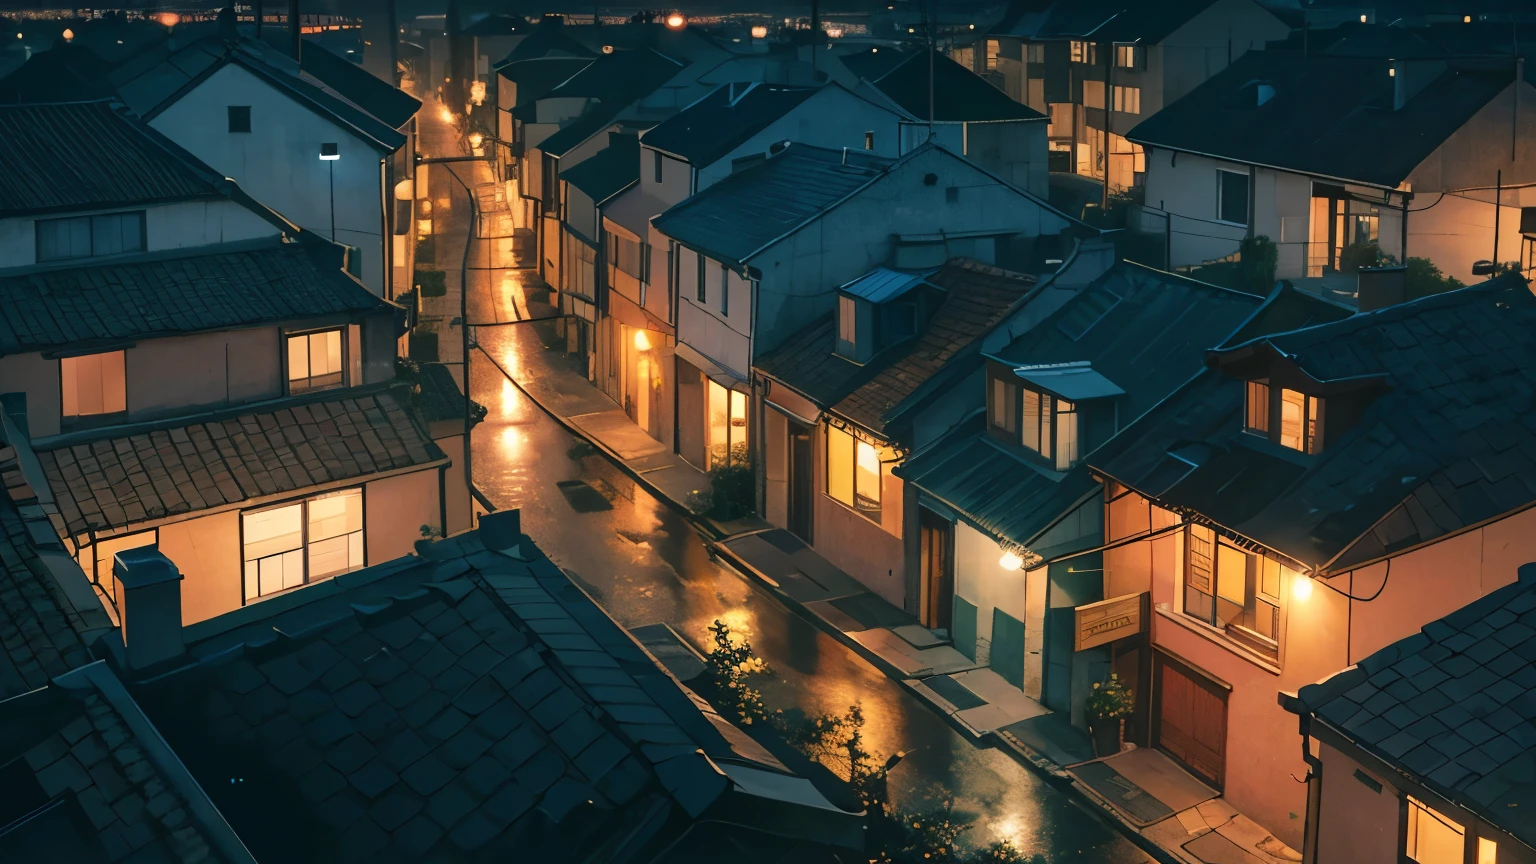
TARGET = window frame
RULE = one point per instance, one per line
(1006, 392)
(869, 507)
(1253, 408)
(657, 167)
(1221, 183)
(345, 359)
(1125, 95)
(103, 416)
(303, 501)
(702, 288)
(1084, 51)
(234, 112)
(1126, 57)
(90, 220)
(1048, 423)
(1259, 566)
(869, 140)
(725, 290)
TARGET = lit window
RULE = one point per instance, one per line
(314, 361)
(1093, 94)
(1256, 418)
(90, 236)
(1085, 52)
(1034, 53)
(1050, 428)
(1301, 421)
(303, 542)
(1487, 851)
(239, 118)
(869, 140)
(992, 51)
(1234, 589)
(727, 426)
(1128, 99)
(853, 472)
(1125, 56)
(1004, 406)
(93, 384)
(1232, 197)
(847, 325)
(1433, 838)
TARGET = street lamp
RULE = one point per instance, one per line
(676, 21)
(330, 153)
(1010, 561)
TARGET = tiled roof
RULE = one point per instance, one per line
(611, 83)
(90, 155)
(162, 74)
(806, 361)
(467, 706)
(546, 40)
(724, 119)
(1350, 133)
(978, 296)
(117, 482)
(537, 76)
(743, 213)
(112, 799)
(1452, 706)
(1446, 444)
(162, 296)
(959, 94)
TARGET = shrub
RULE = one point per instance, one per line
(432, 283)
(1357, 255)
(1423, 278)
(1257, 257)
(731, 663)
(731, 491)
(1110, 700)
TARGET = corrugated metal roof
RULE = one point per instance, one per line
(740, 215)
(883, 283)
(1073, 382)
(90, 155)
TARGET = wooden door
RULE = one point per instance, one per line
(801, 482)
(1191, 720)
(937, 569)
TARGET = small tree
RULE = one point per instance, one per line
(1257, 257)
(731, 663)
(1423, 278)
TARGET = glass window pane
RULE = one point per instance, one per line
(1433, 838)
(840, 465)
(866, 483)
(1066, 435)
(79, 237)
(269, 532)
(719, 424)
(1231, 583)
(329, 558)
(1314, 419)
(114, 386)
(1292, 409)
(298, 358)
(1258, 407)
(335, 514)
(252, 580)
(1032, 420)
(738, 455)
(1487, 851)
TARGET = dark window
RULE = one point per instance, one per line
(656, 158)
(1232, 197)
(1003, 406)
(725, 290)
(90, 236)
(239, 118)
(952, 195)
(869, 140)
(703, 295)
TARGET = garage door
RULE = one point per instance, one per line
(1192, 720)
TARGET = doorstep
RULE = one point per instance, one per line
(1173, 812)
(979, 701)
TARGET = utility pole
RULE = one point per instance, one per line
(931, 14)
(815, 32)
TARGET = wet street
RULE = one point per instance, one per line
(645, 564)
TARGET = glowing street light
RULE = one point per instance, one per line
(69, 35)
(1010, 561)
(759, 32)
(170, 19)
(476, 139)
(477, 92)
(1301, 588)
(642, 341)
(676, 21)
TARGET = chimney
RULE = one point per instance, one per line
(501, 529)
(1411, 76)
(149, 605)
(1380, 287)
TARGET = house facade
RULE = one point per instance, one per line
(1302, 504)
(1450, 156)
(1097, 69)
(317, 157)
(750, 275)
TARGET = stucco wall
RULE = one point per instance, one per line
(724, 336)
(278, 161)
(981, 580)
(169, 376)
(868, 551)
(179, 225)
(207, 551)
(394, 509)
(1355, 823)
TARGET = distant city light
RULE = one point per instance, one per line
(759, 32)
(607, 49)
(1362, 19)
(835, 32)
(170, 19)
(69, 35)
(676, 21)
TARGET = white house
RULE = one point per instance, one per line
(1407, 160)
(315, 155)
(685, 154)
(760, 253)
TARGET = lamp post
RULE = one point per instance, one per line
(331, 153)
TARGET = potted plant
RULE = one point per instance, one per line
(1108, 706)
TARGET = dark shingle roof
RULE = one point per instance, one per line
(1452, 706)
(806, 362)
(138, 299)
(116, 482)
(959, 94)
(977, 297)
(715, 125)
(90, 154)
(536, 77)
(1443, 444)
(609, 171)
(78, 744)
(739, 216)
(1350, 133)
(547, 40)
(388, 103)
(470, 705)
(612, 82)
(66, 72)
(156, 78)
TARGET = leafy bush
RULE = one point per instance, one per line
(730, 664)
(432, 283)
(1423, 278)
(1257, 257)
(731, 492)
(1110, 700)
(1357, 255)
(424, 346)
